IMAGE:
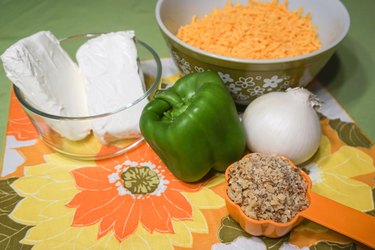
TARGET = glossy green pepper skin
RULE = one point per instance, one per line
(194, 126)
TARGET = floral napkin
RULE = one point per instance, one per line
(49, 201)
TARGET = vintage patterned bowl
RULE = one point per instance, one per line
(246, 79)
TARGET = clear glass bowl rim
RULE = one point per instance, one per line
(154, 85)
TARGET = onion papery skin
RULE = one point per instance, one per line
(283, 123)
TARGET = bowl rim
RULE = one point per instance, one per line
(293, 222)
(154, 85)
(254, 61)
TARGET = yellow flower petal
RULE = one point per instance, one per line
(57, 191)
(49, 229)
(182, 236)
(60, 160)
(39, 170)
(88, 238)
(90, 145)
(219, 178)
(56, 243)
(346, 191)
(199, 223)
(71, 238)
(348, 161)
(61, 176)
(45, 169)
(139, 240)
(30, 185)
(108, 241)
(54, 208)
(332, 175)
(141, 236)
(53, 171)
(205, 199)
(171, 79)
(28, 211)
(56, 163)
(75, 238)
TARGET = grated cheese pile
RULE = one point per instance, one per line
(258, 30)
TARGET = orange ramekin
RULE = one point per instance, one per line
(345, 220)
(267, 228)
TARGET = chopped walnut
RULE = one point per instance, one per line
(267, 187)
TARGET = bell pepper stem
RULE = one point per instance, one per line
(172, 98)
(177, 103)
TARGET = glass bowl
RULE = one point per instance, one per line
(92, 147)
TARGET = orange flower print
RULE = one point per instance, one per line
(19, 124)
(138, 190)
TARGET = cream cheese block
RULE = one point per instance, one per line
(50, 81)
(112, 78)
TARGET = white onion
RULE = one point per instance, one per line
(283, 123)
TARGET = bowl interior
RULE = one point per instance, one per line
(331, 17)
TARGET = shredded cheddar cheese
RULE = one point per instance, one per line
(258, 30)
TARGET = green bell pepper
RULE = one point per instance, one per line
(194, 126)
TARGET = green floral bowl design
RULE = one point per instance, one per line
(247, 79)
